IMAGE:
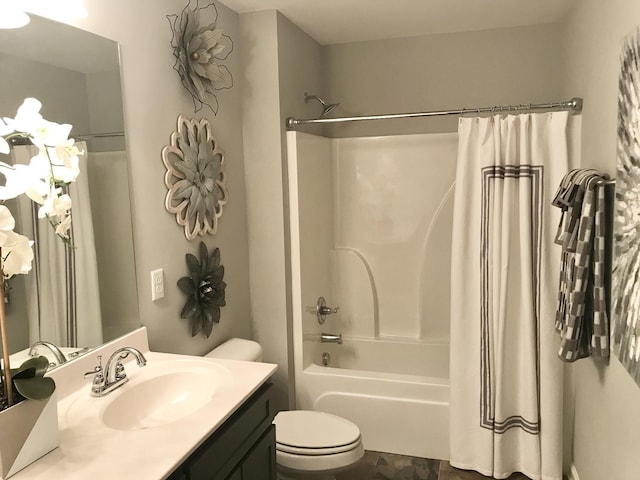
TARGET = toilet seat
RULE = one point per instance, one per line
(316, 441)
(317, 451)
(309, 429)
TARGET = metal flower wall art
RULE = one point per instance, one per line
(195, 177)
(199, 52)
(205, 290)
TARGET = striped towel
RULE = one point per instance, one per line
(581, 316)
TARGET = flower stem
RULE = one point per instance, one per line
(6, 371)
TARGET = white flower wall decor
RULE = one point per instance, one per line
(199, 53)
(195, 177)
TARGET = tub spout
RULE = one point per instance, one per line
(331, 338)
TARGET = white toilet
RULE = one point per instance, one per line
(309, 444)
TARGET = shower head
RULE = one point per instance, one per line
(326, 108)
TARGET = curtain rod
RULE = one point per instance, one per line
(574, 105)
(89, 136)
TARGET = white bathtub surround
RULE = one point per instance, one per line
(371, 237)
(506, 408)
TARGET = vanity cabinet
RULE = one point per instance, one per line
(243, 448)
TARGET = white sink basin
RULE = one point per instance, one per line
(162, 393)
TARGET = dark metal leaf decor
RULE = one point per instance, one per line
(205, 291)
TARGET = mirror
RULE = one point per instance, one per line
(87, 295)
(625, 330)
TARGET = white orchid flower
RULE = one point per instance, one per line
(62, 229)
(7, 224)
(56, 162)
(18, 256)
(50, 134)
(55, 205)
(4, 130)
(23, 179)
(27, 118)
(65, 161)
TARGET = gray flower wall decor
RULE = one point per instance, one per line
(195, 177)
(199, 52)
(205, 290)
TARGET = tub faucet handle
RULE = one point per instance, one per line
(322, 310)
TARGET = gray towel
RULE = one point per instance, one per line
(581, 316)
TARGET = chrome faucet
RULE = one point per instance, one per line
(113, 375)
(57, 353)
(331, 338)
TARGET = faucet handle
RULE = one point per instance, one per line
(119, 373)
(322, 310)
(98, 378)
(93, 373)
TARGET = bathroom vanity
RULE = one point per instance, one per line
(179, 417)
(243, 448)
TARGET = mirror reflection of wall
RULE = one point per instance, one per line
(76, 76)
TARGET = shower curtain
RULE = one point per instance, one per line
(506, 380)
(46, 284)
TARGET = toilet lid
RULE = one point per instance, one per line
(306, 429)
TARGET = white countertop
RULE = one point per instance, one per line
(91, 450)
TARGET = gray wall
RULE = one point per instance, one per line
(153, 98)
(607, 401)
(280, 62)
(442, 72)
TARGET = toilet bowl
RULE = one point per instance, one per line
(315, 444)
(309, 444)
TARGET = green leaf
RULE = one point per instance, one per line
(39, 363)
(24, 373)
(37, 388)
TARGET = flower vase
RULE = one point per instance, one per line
(28, 430)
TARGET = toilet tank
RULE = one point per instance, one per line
(238, 349)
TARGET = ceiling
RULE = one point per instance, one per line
(342, 21)
(53, 43)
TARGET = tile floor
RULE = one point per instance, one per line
(387, 466)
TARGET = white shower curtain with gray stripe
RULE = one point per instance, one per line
(506, 380)
(47, 299)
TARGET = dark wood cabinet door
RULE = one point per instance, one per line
(260, 462)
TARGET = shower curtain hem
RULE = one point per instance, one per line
(500, 476)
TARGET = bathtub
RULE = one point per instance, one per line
(396, 391)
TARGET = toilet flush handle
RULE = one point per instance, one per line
(322, 310)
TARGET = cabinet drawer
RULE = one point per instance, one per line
(219, 455)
